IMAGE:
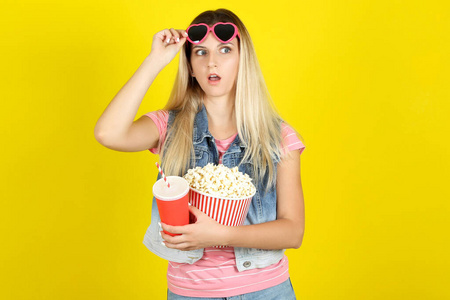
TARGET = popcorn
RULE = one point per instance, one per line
(220, 181)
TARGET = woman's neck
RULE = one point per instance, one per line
(221, 117)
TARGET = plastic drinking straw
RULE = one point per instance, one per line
(164, 176)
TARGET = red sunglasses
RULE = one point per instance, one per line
(224, 32)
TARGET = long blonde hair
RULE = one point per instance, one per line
(258, 122)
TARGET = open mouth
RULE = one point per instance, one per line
(214, 78)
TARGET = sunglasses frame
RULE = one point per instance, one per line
(211, 29)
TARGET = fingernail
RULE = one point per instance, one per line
(189, 204)
(162, 243)
(185, 33)
(178, 39)
(168, 40)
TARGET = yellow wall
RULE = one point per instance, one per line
(364, 82)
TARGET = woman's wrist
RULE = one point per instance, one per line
(155, 62)
(226, 235)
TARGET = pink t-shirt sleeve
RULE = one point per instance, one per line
(160, 117)
(290, 139)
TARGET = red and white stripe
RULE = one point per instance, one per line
(229, 212)
(164, 176)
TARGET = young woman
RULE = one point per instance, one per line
(219, 112)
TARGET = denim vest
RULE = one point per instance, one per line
(262, 208)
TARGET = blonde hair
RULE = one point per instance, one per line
(258, 122)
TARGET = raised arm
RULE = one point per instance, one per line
(115, 129)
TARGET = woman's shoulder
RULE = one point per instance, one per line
(286, 129)
(290, 138)
(160, 114)
(160, 117)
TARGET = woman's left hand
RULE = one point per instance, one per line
(205, 232)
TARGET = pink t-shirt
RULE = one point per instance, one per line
(216, 274)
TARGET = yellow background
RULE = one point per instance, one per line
(364, 82)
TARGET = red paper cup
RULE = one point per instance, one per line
(226, 211)
(172, 202)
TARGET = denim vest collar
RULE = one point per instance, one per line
(201, 131)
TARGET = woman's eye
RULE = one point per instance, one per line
(223, 50)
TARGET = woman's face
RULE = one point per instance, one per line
(214, 57)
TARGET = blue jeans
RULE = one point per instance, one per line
(283, 291)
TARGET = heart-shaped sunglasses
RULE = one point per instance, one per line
(224, 32)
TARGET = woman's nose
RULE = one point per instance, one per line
(212, 61)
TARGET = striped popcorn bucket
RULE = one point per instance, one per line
(226, 211)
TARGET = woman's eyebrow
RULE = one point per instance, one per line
(221, 44)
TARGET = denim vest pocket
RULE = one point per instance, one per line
(250, 258)
(245, 167)
(201, 157)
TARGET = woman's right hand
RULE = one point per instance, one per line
(167, 43)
